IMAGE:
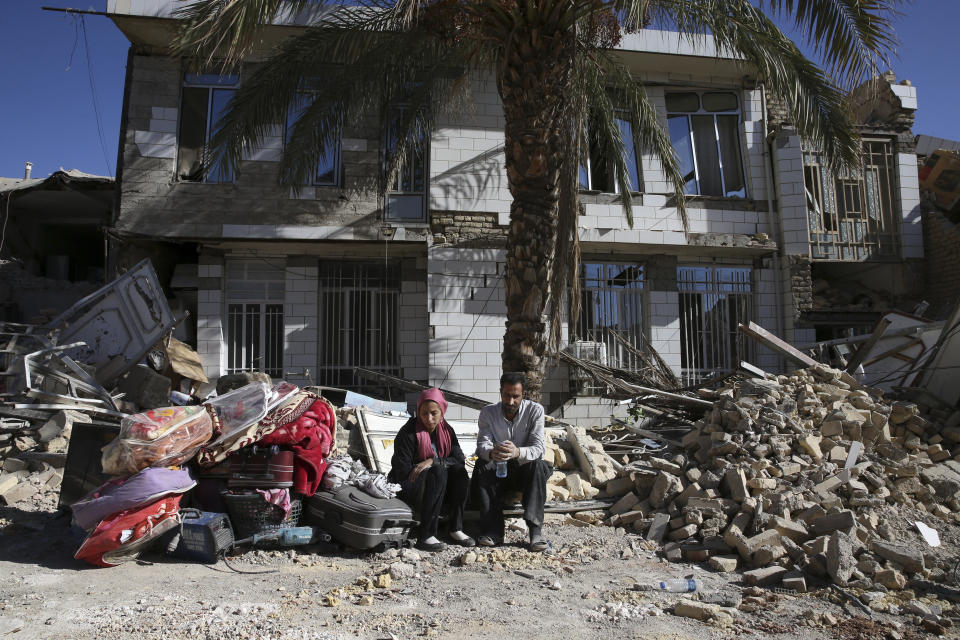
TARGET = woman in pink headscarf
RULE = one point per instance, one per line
(428, 464)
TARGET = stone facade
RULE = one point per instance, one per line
(467, 229)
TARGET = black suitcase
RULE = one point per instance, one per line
(356, 519)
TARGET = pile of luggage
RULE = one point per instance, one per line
(244, 467)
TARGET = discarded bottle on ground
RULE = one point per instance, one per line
(680, 585)
(502, 469)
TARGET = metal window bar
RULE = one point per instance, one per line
(255, 327)
(359, 323)
(853, 216)
(255, 338)
(712, 302)
(611, 301)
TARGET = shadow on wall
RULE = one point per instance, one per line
(464, 186)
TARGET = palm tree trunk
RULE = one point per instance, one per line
(533, 81)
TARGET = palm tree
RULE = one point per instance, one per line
(556, 74)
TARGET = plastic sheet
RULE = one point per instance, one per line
(157, 438)
(240, 408)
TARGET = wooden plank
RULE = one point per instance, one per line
(774, 343)
(865, 348)
(705, 404)
(410, 385)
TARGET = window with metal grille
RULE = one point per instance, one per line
(712, 302)
(705, 130)
(255, 293)
(611, 305)
(359, 318)
(203, 103)
(852, 215)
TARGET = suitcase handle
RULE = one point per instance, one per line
(401, 523)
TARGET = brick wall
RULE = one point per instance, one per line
(941, 242)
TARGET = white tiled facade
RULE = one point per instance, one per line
(451, 309)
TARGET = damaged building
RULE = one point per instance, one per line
(309, 284)
(53, 250)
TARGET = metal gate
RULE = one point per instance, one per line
(713, 301)
(359, 318)
(255, 295)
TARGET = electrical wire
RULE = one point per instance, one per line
(93, 95)
(3, 232)
(475, 320)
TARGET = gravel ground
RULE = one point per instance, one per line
(596, 583)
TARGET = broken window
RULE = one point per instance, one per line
(705, 131)
(202, 104)
(359, 318)
(328, 163)
(852, 215)
(407, 188)
(599, 174)
(712, 302)
(255, 296)
(611, 305)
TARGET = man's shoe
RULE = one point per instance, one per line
(539, 545)
(486, 541)
(431, 546)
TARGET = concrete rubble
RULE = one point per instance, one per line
(798, 481)
(32, 456)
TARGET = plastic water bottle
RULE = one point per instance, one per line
(502, 469)
(680, 585)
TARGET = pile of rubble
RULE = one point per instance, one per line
(794, 479)
(32, 457)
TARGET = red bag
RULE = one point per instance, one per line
(123, 536)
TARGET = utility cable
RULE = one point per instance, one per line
(475, 320)
(93, 95)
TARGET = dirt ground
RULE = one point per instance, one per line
(594, 584)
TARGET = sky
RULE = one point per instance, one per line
(61, 99)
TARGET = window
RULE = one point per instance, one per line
(255, 295)
(328, 164)
(406, 193)
(705, 131)
(611, 307)
(713, 301)
(359, 312)
(598, 174)
(853, 215)
(202, 104)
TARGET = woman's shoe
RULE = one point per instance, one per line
(431, 546)
(465, 542)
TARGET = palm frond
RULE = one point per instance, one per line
(854, 36)
(358, 72)
(611, 89)
(817, 105)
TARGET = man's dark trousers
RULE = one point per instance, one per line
(530, 479)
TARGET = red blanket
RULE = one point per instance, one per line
(310, 435)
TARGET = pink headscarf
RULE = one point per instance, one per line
(424, 447)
